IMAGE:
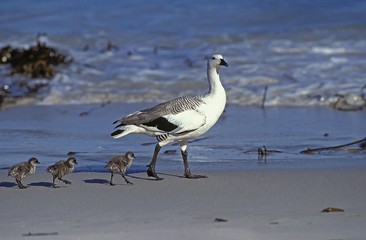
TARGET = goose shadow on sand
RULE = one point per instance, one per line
(153, 179)
(147, 178)
(105, 181)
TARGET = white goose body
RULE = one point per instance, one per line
(180, 119)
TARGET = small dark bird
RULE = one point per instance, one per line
(21, 170)
(61, 168)
(119, 164)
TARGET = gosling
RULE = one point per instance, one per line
(119, 164)
(61, 168)
(21, 170)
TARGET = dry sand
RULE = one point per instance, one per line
(257, 204)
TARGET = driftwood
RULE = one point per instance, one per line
(264, 151)
(264, 97)
(313, 150)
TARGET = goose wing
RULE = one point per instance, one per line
(177, 116)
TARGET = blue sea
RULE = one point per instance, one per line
(307, 53)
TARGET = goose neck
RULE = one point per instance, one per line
(213, 79)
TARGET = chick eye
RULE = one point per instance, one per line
(213, 58)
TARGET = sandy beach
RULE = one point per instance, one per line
(244, 197)
(257, 204)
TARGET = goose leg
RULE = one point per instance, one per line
(151, 167)
(187, 171)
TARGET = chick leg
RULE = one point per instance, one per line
(128, 182)
(20, 184)
(53, 182)
(110, 182)
(63, 180)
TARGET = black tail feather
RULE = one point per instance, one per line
(117, 132)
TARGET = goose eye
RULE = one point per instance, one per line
(213, 58)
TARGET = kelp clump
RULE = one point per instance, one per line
(36, 62)
(28, 70)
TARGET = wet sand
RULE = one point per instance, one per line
(50, 132)
(243, 196)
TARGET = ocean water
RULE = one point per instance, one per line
(308, 53)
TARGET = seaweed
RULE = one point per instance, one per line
(35, 62)
(39, 62)
(40, 234)
(332, 209)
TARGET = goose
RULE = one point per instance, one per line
(179, 120)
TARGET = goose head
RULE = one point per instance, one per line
(217, 60)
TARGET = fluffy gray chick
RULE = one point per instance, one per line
(119, 164)
(23, 169)
(61, 168)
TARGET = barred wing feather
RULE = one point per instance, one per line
(175, 117)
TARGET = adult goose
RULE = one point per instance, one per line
(180, 119)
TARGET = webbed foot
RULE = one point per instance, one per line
(151, 173)
(189, 175)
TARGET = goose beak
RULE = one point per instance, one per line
(223, 63)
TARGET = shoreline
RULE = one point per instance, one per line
(51, 132)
